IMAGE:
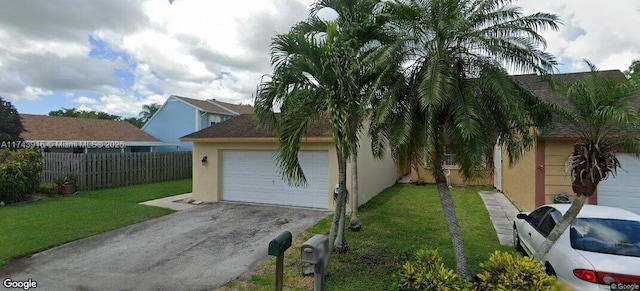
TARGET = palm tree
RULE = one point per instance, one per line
(148, 110)
(318, 75)
(603, 112)
(458, 95)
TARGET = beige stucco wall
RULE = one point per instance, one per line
(518, 181)
(374, 175)
(422, 175)
(556, 178)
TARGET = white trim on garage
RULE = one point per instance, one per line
(253, 176)
(623, 189)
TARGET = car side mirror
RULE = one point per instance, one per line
(521, 216)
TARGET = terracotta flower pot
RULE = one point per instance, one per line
(67, 189)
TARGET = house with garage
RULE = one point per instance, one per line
(179, 116)
(85, 135)
(543, 172)
(234, 161)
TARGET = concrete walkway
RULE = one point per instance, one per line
(405, 179)
(177, 202)
(502, 213)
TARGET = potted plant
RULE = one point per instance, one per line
(66, 184)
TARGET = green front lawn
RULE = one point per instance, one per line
(397, 222)
(30, 228)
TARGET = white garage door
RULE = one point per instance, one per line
(253, 176)
(624, 190)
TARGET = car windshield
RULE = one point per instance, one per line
(608, 236)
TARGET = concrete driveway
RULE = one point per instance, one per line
(201, 248)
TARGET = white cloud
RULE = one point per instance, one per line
(84, 100)
(84, 107)
(220, 49)
(125, 105)
(609, 35)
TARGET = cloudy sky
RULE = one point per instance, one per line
(116, 55)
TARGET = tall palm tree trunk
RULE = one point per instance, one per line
(335, 231)
(354, 225)
(454, 228)
(564, 223)
(341, 242)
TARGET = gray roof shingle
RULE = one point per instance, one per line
(215, 106)
(541, 87)
(245, 126)
(43, 127)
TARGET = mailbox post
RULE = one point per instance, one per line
(277, 247)
(316, 251)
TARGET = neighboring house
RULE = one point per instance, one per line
(422, 173)
(234, 161)
(543, 172)
(84, 135)
(180, 116)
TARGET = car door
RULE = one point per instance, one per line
(544, 228)
(529, 231)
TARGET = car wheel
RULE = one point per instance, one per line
(516, 240)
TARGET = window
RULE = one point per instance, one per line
(78, 150)
(607, 236)
(536, 216)
(449, 161)
(212, 123)
(549, 222)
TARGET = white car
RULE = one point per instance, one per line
(601, 247)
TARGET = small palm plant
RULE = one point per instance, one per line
(66, 183)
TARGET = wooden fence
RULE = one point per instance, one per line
(107, 170)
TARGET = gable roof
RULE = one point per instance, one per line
(210, 106)
(541, 87)
(245, 127)
(57, 128)
(240, 109)
(215, 106)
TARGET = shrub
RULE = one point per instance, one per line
(503, 271)
(425, 271)
(65, 180)
(48, 189)
(19, 174)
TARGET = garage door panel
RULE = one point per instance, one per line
(253, 176)
(623, 189)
